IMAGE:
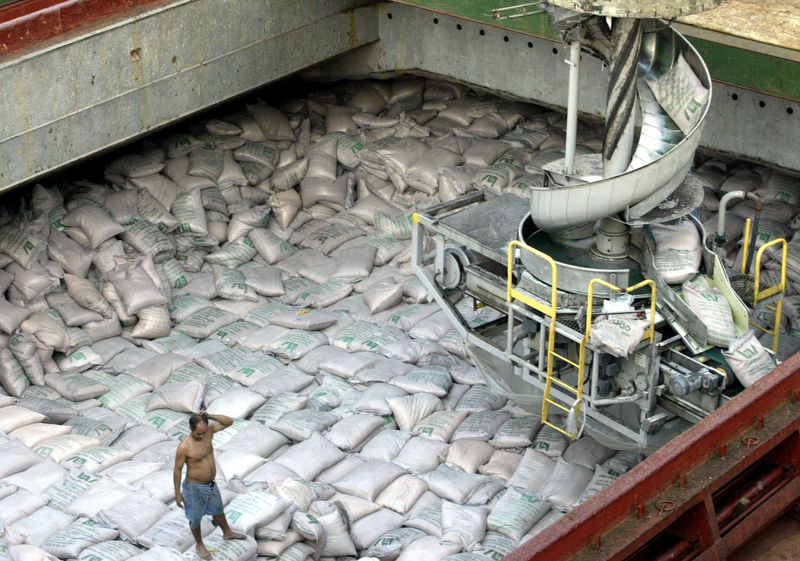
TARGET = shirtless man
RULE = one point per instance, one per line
(199, 495)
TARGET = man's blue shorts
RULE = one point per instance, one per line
(200, 499)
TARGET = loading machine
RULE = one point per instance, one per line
(583, 236)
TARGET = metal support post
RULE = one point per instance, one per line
(572, 107)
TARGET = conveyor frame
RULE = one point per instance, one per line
(484, 225)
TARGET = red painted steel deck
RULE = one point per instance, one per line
(703, 495)
(31, 22)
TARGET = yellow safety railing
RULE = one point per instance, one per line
(575, 409)
(650, 333)
(549, 311)
(758, 294)
(748, 224)
(512, 293)
(779, 289)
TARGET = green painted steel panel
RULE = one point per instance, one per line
(736, 66)
(479, 10)
(747, 69)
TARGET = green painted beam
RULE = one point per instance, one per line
(750, 70)
(734, 65)
(538, 25)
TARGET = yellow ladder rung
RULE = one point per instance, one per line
(566, 386)
(762, 329)
(557, 404)
(565, 359)
(767, 292)
(563, 411)
(559, 429)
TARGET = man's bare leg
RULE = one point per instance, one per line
(200, 547)
(227, 533)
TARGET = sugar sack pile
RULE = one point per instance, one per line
(778, 218)
(259, 263)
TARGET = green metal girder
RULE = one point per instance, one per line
(751, 70)
(479, 10)
(737, 66)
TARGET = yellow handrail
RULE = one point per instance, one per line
(746, 243)
(779, 288)
(512, 293)
(551, 312)
(650, 333)
(776, 288)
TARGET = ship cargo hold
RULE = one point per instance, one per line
(480, 280)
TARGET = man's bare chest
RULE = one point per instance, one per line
(199, 452)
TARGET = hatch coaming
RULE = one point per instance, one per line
(94, 89)
(83, 90)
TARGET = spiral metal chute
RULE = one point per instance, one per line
(638, 175)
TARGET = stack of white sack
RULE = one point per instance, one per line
(258, 263)
(779, 218)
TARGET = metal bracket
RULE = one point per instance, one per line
(499, 13)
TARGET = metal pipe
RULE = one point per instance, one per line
(572, 107)
(748, 494)
(595, 376)
(516, 7)
(495, 12)
(617, 400)
(542, 350)
(623, 154)
(721, 238)
(510, 331)
(678, 551)
(751, 243)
